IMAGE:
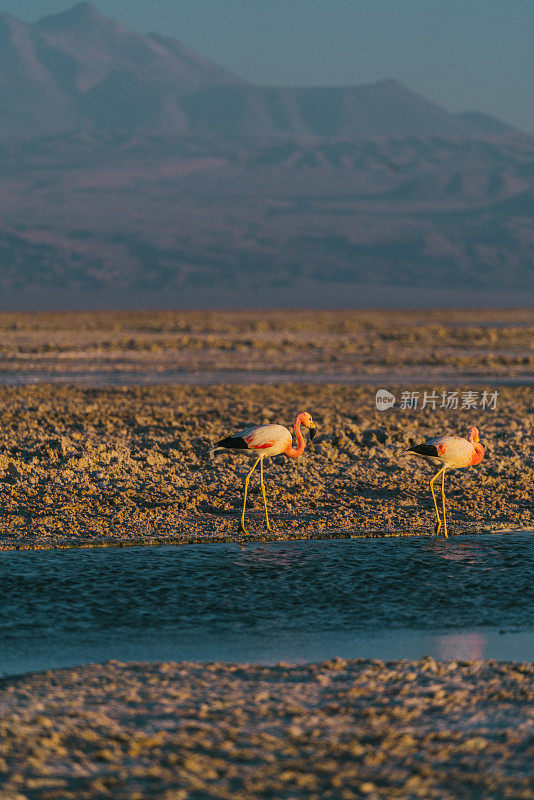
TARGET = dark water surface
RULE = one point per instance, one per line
(468, 597)
(98, 379)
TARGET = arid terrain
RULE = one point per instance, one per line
(136, 172)
(151, 222)
(318, 346)
(106, 421)
(130, 464)
(337, 729)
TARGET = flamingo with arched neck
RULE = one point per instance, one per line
(449, 452)
(268, 440)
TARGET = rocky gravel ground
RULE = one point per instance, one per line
(338, 729)
(121, 466)
(82, 467)
(345, 345)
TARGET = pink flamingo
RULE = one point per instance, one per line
(268, 440)
(449, 452)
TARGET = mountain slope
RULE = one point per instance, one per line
(133, 221)
(134, 172)
(79, 69)
(385, 108)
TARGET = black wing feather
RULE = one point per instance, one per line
(233, 442)
(425, 450)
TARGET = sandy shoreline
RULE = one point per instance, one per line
(394, 345)
(116, 467)
(85, 467)
(337, 729)
(96, 467)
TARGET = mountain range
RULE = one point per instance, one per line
(135, 172)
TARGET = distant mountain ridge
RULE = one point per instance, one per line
(135, 173)
(382, 109)
(126, 221)
(79, 70)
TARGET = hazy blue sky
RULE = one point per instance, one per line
(462, 54)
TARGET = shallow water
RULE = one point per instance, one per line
(99, 379)
(468, 597)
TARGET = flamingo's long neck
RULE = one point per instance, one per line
(295, 452)
(478, 454)
(472, 437)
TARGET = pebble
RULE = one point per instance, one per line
(127, 483)
(184, 730)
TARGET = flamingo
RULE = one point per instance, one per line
(268, 440)
(449, 452)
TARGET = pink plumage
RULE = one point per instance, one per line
(266, 441)
(449, 452)
(271, 439)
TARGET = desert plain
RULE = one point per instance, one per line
(117, 463)
(112, 449)
(341, 730)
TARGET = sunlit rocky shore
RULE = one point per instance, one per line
(83, 467)
(337, 729)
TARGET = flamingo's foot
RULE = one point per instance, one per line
(269, 528)
(242, 527)
(437, 527)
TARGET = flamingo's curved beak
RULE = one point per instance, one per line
(313, 430)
